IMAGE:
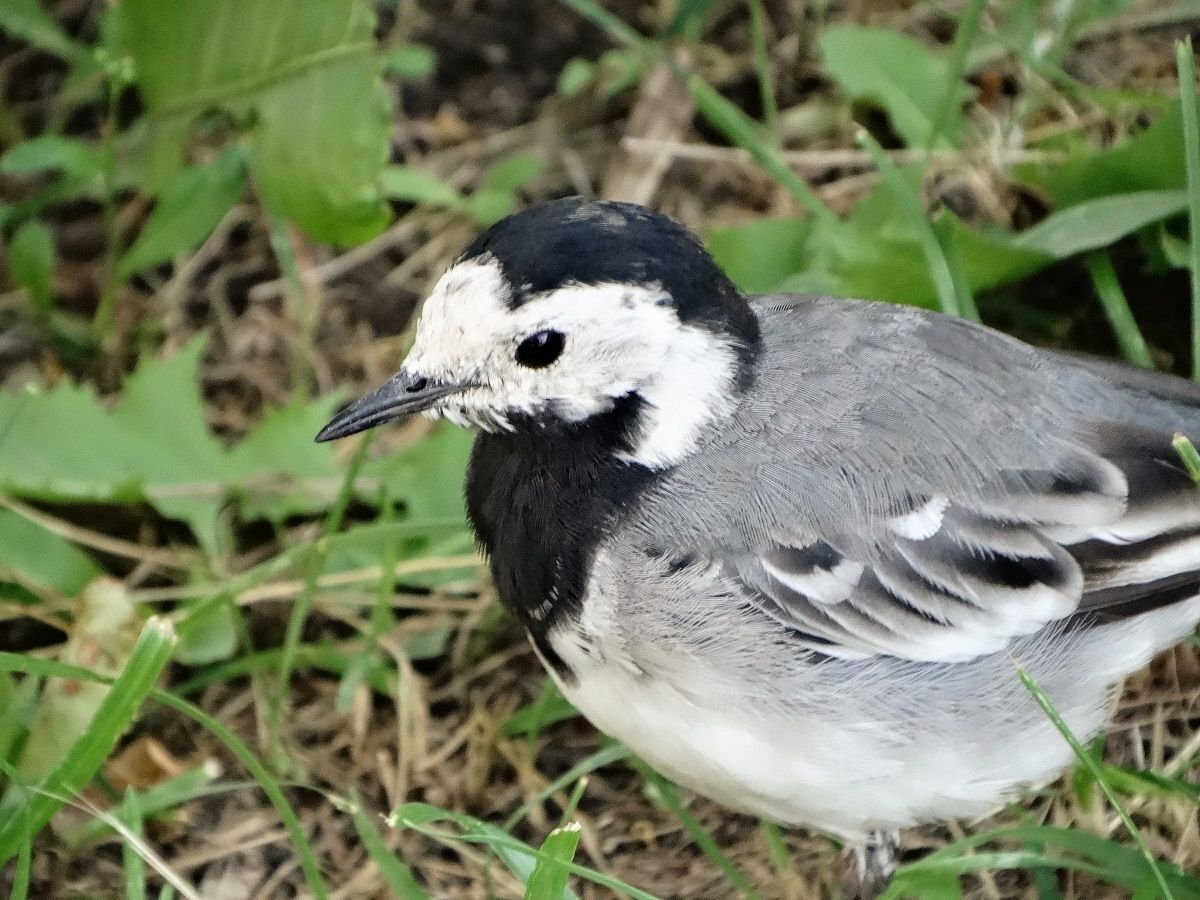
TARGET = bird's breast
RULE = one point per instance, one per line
(541, 505)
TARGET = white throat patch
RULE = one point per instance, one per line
(619, 339)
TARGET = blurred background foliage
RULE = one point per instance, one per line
(226, 652)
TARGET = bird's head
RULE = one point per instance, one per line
(555, 315)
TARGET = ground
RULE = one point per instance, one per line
(440, 739)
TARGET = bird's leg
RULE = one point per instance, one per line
(873, 864)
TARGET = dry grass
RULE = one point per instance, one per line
(439, 739)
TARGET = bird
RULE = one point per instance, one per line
(787, 548)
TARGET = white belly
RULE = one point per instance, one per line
(842, 769)
(834, 773)
(735, 714)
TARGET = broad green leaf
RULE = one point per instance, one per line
(926, 885)
(301, 79)
(1100, 222)
(876, 255)
(211, 636)
(427, 476)
(409, 61)
(414, 186)
(1152, 161)
(154, 445)
(28, 21)
(758, 256)
(181, 464)
(72, 157)
(31, 261)
(43, 558)
(896, 72)
(278, 470)
(189, 207)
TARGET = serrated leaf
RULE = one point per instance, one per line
(1100, 222)
(72, 157)
(43, 558)
(154, 445)
(899, 74)
(279, 470)
(302, 80)
(428, 475)
(31, 262)
(181, 467)
(189, 207)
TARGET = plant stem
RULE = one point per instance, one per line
(1185, 64)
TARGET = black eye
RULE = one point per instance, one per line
(539, 350)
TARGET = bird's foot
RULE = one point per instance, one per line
(871, 865)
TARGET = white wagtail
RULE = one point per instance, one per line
(787, 547)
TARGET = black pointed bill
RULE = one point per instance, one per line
(404, 395)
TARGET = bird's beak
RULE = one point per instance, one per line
(404, 395)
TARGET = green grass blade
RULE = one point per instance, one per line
(725, 116)
(377, 674)
(114, 715)
(398, 876)
(271, 787)
(602, 757)
(1097, 772)
(1185, 65)
(158, 798)
(382, 617)
(1116, 308)
(964, 37)
(135, 867)
(777, 848)
(664, 793)
(944, 230)
(906, 199)
(762, 64)
(21, 875)
(514, 853)
(303, 605)
(549, 878)
(15, 662)
(1189, 454)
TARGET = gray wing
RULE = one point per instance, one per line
(921, 487)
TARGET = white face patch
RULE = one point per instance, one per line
(619, 339)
